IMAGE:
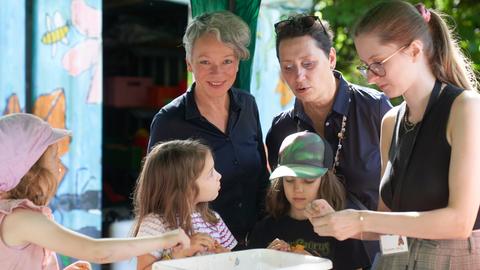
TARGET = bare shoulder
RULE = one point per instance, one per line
(21, 214)
(466, 105)
(17, 224)
(464, 115)
(389, 118)
(467, 98)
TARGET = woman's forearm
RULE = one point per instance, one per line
(443, 223)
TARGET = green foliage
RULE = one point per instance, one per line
(342, 15)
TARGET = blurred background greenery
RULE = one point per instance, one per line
(342, 15)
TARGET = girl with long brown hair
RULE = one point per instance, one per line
(177, 181)
(29, 176)
(305, 174)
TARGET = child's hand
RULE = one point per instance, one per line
(300, 249)
(79, 265)
(217, 248)
(318, 208)
(176, 238)
(278, 244)
(199, 242)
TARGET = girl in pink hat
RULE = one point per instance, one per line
(29, 238)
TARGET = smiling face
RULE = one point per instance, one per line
(208, 182)
(307, 69)
(299, 193)
(400, 70)
(214, 66)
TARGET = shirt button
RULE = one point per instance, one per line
(327, 124)
(227, 139)
(240, 205)
(235, 162)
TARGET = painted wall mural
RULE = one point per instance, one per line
(271, 93)
(12, 55)
(67, 92)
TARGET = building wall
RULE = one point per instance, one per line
(64, 75)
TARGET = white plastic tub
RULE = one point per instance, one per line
(253, 259)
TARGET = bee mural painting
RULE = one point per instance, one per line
(57, 30)
(67, 93)
(86, 55)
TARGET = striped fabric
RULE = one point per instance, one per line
(218, 231)
(154, 225)
(435, 255)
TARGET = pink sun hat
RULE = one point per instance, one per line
(23, 140)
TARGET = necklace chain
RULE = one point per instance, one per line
(407, 125)
(341, 137)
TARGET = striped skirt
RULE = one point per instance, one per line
(434, 254)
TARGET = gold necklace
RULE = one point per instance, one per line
(407, 125)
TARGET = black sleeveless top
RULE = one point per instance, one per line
(420, 158)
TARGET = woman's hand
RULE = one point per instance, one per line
(79, 265)
(280, 245)
(199, 242)
(217, 248)
(341, 225)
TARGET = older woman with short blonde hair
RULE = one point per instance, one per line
(222, 116)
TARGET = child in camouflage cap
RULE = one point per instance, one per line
(305, 173)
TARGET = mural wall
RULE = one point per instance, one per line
(271, 93)
(12, 55)
(66, 90)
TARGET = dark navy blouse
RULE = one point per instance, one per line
(360, 153)
(239, 153)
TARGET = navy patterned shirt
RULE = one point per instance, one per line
(360, 154)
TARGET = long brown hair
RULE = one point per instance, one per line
(400, 22)
(38, 185)
(330, 189)
(166, 186)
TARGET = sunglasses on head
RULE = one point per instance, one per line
(305, 22)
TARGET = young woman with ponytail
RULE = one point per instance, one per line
(429, 144)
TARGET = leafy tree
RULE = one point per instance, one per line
(342, 15)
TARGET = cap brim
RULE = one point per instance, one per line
(300, 171)
(58, 134)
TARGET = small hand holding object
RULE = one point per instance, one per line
(278, 244)
(79, 265)
(300, 249)
(199, 242)
(341, 225)
(217, 248)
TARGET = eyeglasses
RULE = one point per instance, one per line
(377, 67)
(305, 22)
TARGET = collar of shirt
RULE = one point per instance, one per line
(340, 105)
(191, 109)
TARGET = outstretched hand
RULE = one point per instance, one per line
(177, 239)
(341, 225)
(200, 242)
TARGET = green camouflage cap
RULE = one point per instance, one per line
(303, 155)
